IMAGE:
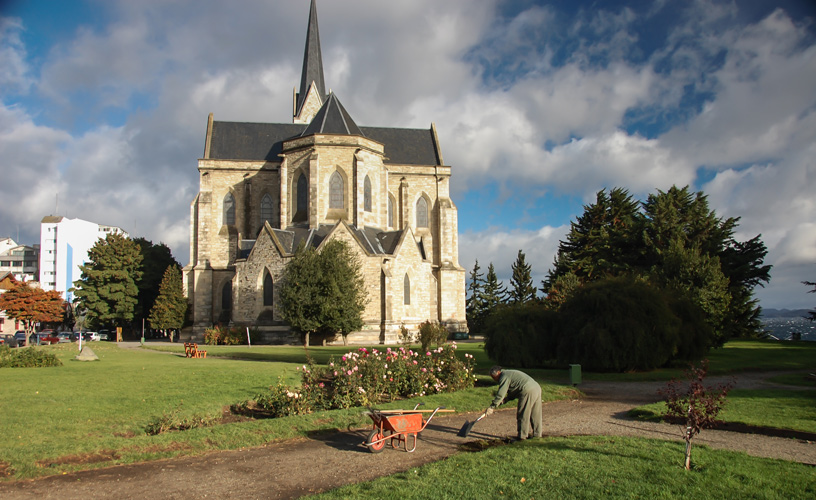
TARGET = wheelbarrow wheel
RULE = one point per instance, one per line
(379, 445)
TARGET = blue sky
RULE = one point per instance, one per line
(538, 105)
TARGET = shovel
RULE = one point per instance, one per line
(465, 430)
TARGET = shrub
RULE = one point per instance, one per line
(523, 335)
(27, 358)
(236, 335)
(431, 332)
(618, 325)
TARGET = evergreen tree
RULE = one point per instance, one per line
(494, 292)
(476, 307)
(107, 288)
(602, 242)
(521, 281)
(323, 292)
(32, 305)
(170, 307)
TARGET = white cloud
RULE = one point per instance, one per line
(555, 122)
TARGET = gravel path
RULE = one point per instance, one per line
(290, 469)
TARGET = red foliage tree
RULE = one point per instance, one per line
(693, 401)
(32, 305)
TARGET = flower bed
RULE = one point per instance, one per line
(365, 377)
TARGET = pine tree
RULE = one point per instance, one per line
(107, 288)
(495, 294)
(476, 308)
(170, 306)
(521, 281)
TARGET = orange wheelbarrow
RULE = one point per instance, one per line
(400, 426)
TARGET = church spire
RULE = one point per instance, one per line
(312, 73)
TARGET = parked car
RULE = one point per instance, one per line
(20, 336)
(65, 337)
(93, 336)
(8, 340)
(105, 335)
(45, 338)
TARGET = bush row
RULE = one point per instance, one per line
(26, 358)
(366, 377)
(613, 325)
(229, 336)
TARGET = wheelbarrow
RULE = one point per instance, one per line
(400, 426)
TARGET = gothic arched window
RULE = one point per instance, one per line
(268, 295)
(336, 191)
(267, 209)
(390, 212)
(367, 194)
(406, 288)
(422, 212)
(302, 194)
(229, 210)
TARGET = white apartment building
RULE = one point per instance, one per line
(64, 246)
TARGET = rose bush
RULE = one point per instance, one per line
(365, 377)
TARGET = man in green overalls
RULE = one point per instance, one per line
(514, 384)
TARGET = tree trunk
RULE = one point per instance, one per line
(306, 339)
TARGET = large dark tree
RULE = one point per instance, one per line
(521, 281)
(675, 241)
(107, 288)
(32, 305)
(323, 292)
(155, 261)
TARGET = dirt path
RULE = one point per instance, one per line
(290, 469)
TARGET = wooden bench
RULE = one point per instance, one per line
(192, 351)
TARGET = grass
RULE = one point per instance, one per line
(592, 467)
(91, 414)
(774, 408)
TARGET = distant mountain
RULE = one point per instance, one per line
(784, 313)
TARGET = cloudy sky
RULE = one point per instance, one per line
(104, 104)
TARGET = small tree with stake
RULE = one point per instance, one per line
(697, 404)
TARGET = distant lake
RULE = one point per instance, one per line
(783, 328)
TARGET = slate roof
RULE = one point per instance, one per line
(264, 141)
(332, 118)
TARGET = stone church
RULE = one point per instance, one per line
(266, 188)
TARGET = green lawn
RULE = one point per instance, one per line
(92, 414)
(592, 467)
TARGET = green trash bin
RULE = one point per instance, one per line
(575, 374)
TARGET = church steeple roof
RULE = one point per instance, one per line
(333, 119)
(312, 61)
